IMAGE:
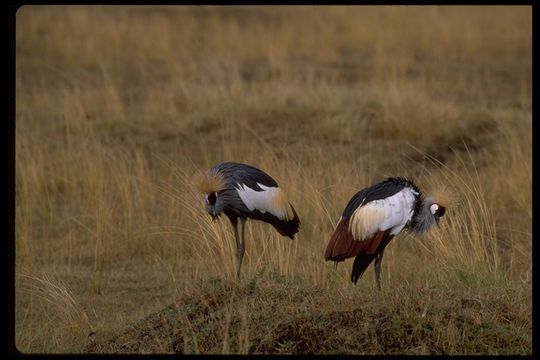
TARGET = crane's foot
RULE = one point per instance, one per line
(378, 283)
(378, 261)
(239, 256)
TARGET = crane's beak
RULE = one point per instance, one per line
(440, 212)
(214, 214)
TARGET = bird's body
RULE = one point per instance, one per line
(373, 217)
(242, 191)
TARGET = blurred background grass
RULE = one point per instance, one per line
(118, 107)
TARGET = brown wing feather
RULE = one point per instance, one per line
(342, 244)
(375, 241)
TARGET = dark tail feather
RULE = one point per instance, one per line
(287, 228)
(362, 260)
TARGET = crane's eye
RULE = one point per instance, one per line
(212, 198)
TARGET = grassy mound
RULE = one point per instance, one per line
(275, 316)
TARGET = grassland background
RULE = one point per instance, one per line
(118, 107)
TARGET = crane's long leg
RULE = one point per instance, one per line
(378, 261)
(234, 223)
(240, 245)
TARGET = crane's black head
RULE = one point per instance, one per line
(213, 204)
(211, 184)
(437, 211)
(427, 215)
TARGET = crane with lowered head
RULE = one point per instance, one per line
(242, 191)
(374, 216)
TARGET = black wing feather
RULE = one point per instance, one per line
(244, 174)
(379, 191)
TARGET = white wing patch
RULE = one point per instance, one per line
(264, 201)
(379, 215)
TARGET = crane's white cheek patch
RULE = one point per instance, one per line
(434, 208)
(271, 200)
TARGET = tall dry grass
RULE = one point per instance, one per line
(118, 107)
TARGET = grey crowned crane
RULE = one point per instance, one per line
(242, 191)
(374, 216)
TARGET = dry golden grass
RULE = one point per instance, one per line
(117, 108)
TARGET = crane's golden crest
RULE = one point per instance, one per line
(208, 182)
(244, 192)
(444, 196)
(280, 203)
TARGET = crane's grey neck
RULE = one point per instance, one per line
(423, 220)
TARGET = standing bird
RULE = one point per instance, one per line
(242, 191)
(373, 217)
